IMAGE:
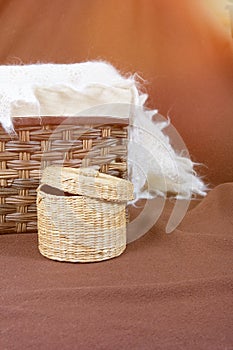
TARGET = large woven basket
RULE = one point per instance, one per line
(81, 214)
(39, 142)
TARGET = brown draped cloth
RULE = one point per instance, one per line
(166, 291)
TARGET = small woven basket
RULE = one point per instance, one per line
(81, 214)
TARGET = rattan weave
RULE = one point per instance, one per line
(82, 228)
(70, 142)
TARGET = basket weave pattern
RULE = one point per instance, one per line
(80, 229)
(79, 143)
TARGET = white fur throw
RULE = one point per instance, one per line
(97, 87)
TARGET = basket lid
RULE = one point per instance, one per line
(88, 182)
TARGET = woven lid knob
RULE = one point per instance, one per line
(88, 182)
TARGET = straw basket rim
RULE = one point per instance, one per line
(88, 182)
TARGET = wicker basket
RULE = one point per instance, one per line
(70, 142)
(82, 217)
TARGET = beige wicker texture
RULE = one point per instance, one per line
(73, 142)
(80, 228)
(88, 182)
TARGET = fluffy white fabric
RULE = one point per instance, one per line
(59, 89)
(84, 88)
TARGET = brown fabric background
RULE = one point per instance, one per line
(166, 291)
(179, 47)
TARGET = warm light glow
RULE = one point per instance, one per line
(219, 8)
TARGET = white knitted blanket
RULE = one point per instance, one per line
(91, 87)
